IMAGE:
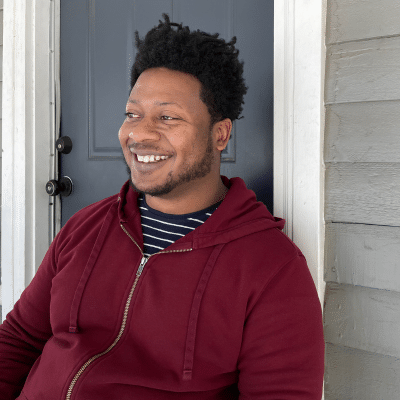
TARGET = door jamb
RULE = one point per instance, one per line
(299, 74)
(30, 125)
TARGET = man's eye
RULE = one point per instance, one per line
(131, 115)
(167, 118)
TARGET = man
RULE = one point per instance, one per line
(182, 286)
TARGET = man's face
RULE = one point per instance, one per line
(166, 137)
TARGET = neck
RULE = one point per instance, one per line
(189, 198)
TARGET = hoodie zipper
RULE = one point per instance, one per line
(139, 271)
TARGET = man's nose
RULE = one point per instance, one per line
(144, 130)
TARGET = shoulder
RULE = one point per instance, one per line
(93, 211)
(259, 261)
(266, 247)
(88, 220)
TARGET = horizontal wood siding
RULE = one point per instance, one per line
(360, 375)
(363, 132)
(354, 20)
(365, 193)
(363, 255)
(363, 318)
(363, 71)
(362, 200)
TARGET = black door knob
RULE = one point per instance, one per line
(62, 187)
(64, 145)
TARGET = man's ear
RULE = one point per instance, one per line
(222, 132)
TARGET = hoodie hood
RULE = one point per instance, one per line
(240, 214)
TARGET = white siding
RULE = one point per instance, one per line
(350, 20)
(363, 318)
(362, 132)
(363, 193)
(362, 200)
(356, 253)
(366, 70)
(357, 374)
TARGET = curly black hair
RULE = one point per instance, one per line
(213, 61)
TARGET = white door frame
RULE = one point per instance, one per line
(30, 125)
(299, 118)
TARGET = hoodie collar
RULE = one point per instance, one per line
(240, 214)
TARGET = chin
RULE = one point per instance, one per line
(155, 191)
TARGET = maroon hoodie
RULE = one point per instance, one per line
(228, 311)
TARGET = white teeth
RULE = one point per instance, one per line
(151, 158)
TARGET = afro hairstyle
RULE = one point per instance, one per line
(213, 61)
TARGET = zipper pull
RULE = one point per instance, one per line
(141, 265)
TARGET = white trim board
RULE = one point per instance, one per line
(299, 65)
(28, 129)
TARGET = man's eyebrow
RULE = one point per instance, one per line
(157, 103)
(167, 103)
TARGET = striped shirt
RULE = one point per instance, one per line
(160, 230)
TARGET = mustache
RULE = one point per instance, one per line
(142, 146)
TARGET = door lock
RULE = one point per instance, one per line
(62, 187)
(64, 145)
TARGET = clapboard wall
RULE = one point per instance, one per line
(362, 200)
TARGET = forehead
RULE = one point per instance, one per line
(162, 85)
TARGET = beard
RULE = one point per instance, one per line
(195, 171)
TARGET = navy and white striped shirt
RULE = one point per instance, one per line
(160, 230)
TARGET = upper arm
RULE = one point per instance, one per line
(25, 330)
(282, 354)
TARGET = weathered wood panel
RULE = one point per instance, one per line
(354, 20)
(363, 132)
(360, 375)
(362, 318)
(363, 71)
(366, 193)
(364, 255)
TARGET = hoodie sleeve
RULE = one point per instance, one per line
(282, 354)
(25, 330)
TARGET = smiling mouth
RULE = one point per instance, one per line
(151, 158)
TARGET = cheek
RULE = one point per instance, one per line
(176, 136)
(184, 141)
